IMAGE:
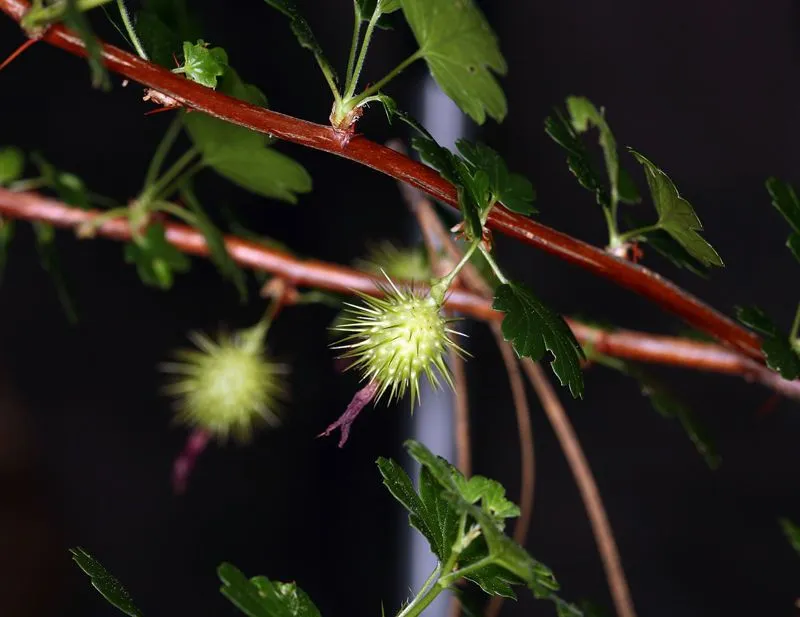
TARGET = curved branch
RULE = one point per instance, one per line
(623, 273)
(627, 344)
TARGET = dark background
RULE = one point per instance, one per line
(708, 90)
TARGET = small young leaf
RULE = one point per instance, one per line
(6, 236)
(108, 586)
(75, 20)
(202, 64)
(676, 215)
(48, 257)
(69, 187)
(777, 347)
(792, 533)
(12, 163)
(303, 33)
(583, 114)
(260, 597)
(785, 200)
(492, 496)
(513, 190)
(216, 244)
(366, 9)
(461, 51)
(156, 259)
(532, 327)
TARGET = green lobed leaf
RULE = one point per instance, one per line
(12, 164)
(227, 267)
(584, 114)
(429, 513)
(302, 31)
(241, 155)
(108, 586)
(75, 20)
(202, 64)
(676, 215)
(669, 248)
(69, 187)
(260, 597)
(777, 347)
(508, 563)
(492, 496)
(514, 190)
(461, 51)
(473, 186)
(792, 533)
(785, 200)
(48, 258)
(156, 259)
(6, 236)
(533, 328)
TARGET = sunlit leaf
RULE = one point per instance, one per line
(461, 51)
(676, 215)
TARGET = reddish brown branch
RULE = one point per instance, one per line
(628, 275)
(637, 346)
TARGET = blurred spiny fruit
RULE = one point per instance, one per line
(226, 386)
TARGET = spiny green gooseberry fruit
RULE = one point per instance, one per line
(226, 386)
(396, 339)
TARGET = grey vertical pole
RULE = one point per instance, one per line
(432, 422)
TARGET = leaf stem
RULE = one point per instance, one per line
(421, 601)
(493, 264)
(439, 287)
(126, 19)
(161, 152)
(176, 211)
(354, 45)
(630, 235)
(179, 180)
(329, 78)
(352, 82)
(376, 87)
(155, 190)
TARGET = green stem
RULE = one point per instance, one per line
(89, 228)
(329, 78)
(350, 86)
(126, 19)
(354, 45)
(45, 15)
(30, 184)
(796, 325)
(156, 189)
(422, 601)
(630, 235)
(439, 287)
(454, 577)
(176, 211)
(611, 223)
(376, 87)
(162, 150)
(493, 264)
(182, 178)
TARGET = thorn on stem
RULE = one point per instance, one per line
(17, 52)
(345, 421)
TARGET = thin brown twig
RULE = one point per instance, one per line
(587, 486)
(195, 96)
(527, 454)
(638, 346)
